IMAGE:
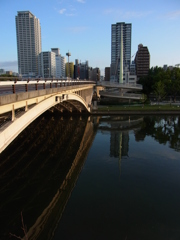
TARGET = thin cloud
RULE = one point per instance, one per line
(108, 11)
(67, 12)
(59, 1)
(136, 14)
(173, 15)
(81, 1)
(61, 11)
(126, 14)
(70, 14)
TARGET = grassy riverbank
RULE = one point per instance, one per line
(139, 109)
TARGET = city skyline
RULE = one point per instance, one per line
(83, 27)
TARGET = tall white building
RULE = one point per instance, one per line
(47, 64)
(28, 33)
(60, 63)
(120, 38)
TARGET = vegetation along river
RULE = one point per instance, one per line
(98, 177)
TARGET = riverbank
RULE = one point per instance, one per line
(137, 110)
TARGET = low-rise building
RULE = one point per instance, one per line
(9, 72)
(69, 69)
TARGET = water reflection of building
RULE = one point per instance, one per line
(119, 127)
(119, 144)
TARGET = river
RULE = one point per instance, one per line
(108, 177)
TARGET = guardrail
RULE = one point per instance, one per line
(9, 87)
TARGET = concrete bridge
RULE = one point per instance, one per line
(119, 90)
(26, 100)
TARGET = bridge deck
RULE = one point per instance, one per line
(120, 95)
(121, 85)
(9, 87)
(59, 95)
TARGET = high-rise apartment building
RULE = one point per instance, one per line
(28, 33)
(142, 61)
(120, 48)
(60, 63)
(47, 64)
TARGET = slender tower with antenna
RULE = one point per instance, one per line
(121, 57)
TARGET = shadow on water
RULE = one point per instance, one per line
(38, 172)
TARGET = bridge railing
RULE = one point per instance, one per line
(9, 87)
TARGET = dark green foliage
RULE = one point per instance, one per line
(161, 83)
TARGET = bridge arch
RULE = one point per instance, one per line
(74, 100)
(19, 124)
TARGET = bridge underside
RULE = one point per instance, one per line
(70, 106)
(26, 111)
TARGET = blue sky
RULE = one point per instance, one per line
(84, 28)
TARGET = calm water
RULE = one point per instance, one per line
(99, 178)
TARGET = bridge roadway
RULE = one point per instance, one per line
(34, 97)
(128, 86)
(120, 90)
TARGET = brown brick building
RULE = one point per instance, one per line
(107, 74)
(142, 61)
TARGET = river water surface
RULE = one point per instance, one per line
(108, 177)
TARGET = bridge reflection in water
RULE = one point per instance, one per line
(38, 172)
(39, 169)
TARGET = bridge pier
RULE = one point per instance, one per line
(26, 107)
(13, 113)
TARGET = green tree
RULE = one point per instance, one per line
(159, 90)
